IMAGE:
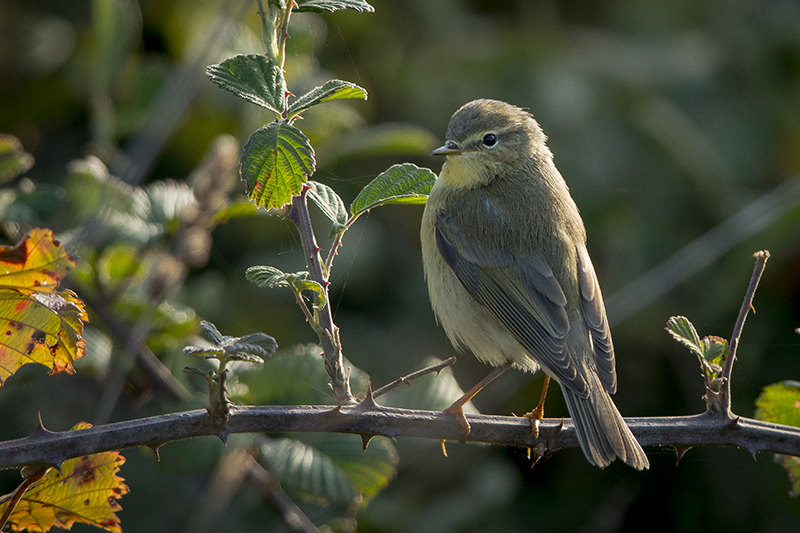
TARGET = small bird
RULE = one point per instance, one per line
(509, 275)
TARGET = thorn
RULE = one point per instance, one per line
(40, 429)
(337, 410)
(444, 449)
(753, 452)
(368, 402)
(733, 423)
(680, 450)
(365, 442)
(753, 309)
(157, 450)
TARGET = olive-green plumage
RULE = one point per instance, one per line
(504, 251)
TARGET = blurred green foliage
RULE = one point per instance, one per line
(665, 118)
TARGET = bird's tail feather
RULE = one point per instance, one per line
(602, 433)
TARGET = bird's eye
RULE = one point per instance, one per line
(490, 139)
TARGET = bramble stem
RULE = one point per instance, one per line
(328, 332)
(747, 305)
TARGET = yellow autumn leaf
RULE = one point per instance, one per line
(86, 490)
(38, 324)
(38, 262)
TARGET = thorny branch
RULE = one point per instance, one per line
(49, 448)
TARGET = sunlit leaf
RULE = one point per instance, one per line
(37, 263)
(43, 328)
(270, 277)
(318, 6)
(310, 285)
(330, 204)
(276, 161)
(683, 331)
(37, 323)
(400, 184)
(332, 90)
(85, 491)
(779, 403)
(252, 77)
(251, 347)
(14, 160)
(715, 349)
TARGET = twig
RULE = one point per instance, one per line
(747, 305)
(414, 375)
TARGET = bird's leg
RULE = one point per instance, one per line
(537, 414)
(458, 406)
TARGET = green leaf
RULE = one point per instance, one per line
(330, 204)
(276, 161)
(332, 90)
(779, 403)
(254, 78)
(310, 285)
(306, 472)
(248, 348)
(400, 184)
(14, 160)
(270, 277)
(330, 469)
(683, 331)
(318, 6)
(715, 349)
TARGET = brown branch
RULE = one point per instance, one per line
(48, 448)
(747, 305)
(438, 367)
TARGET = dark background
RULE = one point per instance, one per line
(665, 118)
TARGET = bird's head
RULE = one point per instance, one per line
(486, 138)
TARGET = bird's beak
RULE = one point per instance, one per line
(449, 148)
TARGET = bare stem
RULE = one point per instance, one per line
(747, 305)
(414, 375)
(328, 332)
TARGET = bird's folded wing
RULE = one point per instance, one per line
(522, 293)
(594, 313)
